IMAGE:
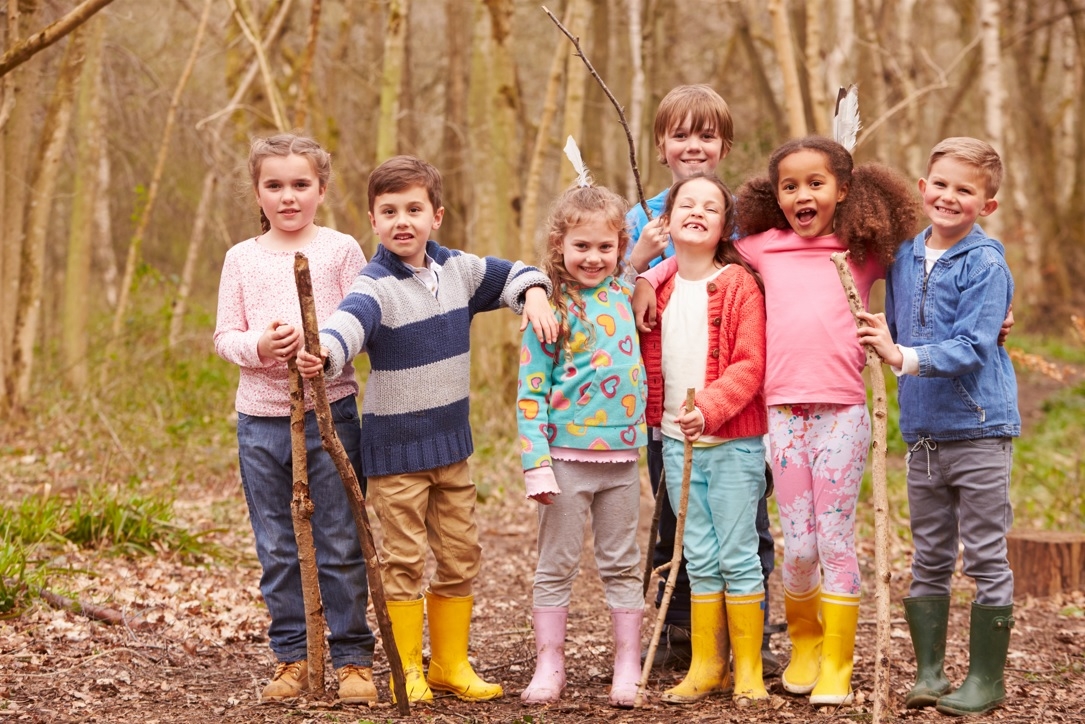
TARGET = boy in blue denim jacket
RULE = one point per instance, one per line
(947, 294)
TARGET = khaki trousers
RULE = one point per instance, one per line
(434, 507)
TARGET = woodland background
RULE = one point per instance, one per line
(124, 129)
(123, 141)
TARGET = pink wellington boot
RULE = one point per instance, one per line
(623, 685)
(549, 679)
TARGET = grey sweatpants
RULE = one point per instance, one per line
(610, 493)
(959, 491)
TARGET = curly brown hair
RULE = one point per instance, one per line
(879, 212)
(577, 206)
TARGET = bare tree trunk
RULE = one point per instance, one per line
(19, 53)
(636, 91)
(85, 194)
(529, 250)
(136, 243)
(505, 112)
(576, 83)
(819, 97)
(28, 306)
(395, 55)
(837, 72)
(785, 54)
(993, 93)
(757, 66)
(203, 211)
(876, 72)
(17, 139)
(454, 169)
(305, 75)
(243, 13)
(904, 73)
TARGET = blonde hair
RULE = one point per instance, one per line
(705, 109)
(574, 207)
(973, 152)
(283, 145)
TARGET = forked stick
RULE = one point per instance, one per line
(653, 530)
(617, 106)
(882, 574)
(334, 447)
(676, 559)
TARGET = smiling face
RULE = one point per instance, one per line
(403, 221)
(954, 196)
(687, 151)
(808, 193)
(289, 193)
(590, 251)
(698, 215)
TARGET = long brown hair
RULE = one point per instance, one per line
(573, 208)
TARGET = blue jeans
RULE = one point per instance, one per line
(267, 478)
(721, 540)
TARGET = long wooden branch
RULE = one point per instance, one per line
(301, 512)
(42, 39)
(617, 106)
(676, 560)
(882, 574)
(350, 483)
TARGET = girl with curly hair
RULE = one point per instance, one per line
(580, 412)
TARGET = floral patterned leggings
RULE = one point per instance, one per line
(818, 454)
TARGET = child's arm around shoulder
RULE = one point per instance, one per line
(522, 288)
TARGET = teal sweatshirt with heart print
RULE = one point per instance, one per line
(592, 398)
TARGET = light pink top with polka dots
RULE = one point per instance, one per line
(257, 286)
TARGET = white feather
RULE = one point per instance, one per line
(583, 178)
(846, 119)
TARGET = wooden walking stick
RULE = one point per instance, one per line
(301, 511)
(676, 558)
(882, 574)
(653, 531)
(334, 447)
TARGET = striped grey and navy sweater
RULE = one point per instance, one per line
(415, 407)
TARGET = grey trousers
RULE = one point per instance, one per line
(959, 492)
(610, 493)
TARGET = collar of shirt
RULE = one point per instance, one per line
(429, 274)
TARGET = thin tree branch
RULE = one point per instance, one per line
(617, 106)
(25, 50)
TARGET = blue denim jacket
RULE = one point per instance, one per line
(966, 388)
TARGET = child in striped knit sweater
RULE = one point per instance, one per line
(411, 310)
(712, 338)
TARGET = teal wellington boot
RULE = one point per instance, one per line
(989, 641)
(928, 619)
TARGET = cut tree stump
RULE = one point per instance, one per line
(1046, 562)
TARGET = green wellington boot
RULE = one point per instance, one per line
(928, 619)
(989, 641)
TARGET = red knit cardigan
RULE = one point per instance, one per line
(732, 399)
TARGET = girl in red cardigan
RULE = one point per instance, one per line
(712, 338)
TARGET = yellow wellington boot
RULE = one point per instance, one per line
(449, 669)
(746, 624)
(803, 611)
(406, 617)
(709, 671)
(840, 612)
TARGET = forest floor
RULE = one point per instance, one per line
(195, 647)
